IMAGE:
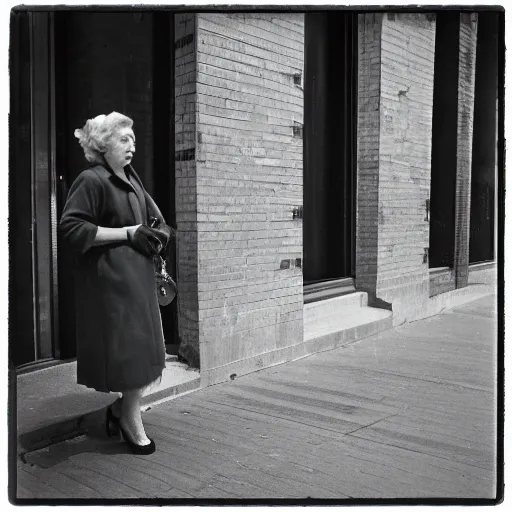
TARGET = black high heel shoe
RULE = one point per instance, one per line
(138, 449)
(111, 421)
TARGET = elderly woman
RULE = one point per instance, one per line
(106, 221)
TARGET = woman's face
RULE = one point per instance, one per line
(120, 148)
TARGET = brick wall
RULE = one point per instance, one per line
(467, 60)
(249, 179)
(393, 202)
(186, 190)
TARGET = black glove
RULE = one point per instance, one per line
(162, 231)
(145, 241)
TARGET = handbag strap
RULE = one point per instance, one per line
(151, 206)
(150, 203)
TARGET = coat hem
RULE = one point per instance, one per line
(146, 385)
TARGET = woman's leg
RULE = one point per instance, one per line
(117, 407)
(131, 419)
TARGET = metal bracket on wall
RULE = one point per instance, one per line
(427, 210)
(425, 255)
(285, 264)
(298, 212)
(290, 263)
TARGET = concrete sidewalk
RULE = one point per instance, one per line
(407, 413)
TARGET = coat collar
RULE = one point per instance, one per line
(131, 172)
(123, 179)
(126, 183)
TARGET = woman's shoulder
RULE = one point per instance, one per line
(91, 178)
(96, 170)
(93, 174)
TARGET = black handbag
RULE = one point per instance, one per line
(166, 288)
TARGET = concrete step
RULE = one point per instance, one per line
(336, 331)
(334, 306)
(351, 317)
(341, 320)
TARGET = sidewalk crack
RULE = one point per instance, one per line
(369, 425)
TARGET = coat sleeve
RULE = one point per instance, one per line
(82, 211)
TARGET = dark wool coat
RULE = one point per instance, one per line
(120, 343)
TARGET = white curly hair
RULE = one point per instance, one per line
(96, 133)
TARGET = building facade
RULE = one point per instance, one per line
(330, 174)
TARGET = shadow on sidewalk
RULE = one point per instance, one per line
(94, 442)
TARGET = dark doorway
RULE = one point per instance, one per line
(68, 66)
(115, 62)
(444, 141)
(330, 126)
(483, 169)
(22, 348)
(32, 207)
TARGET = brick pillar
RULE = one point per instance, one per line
(467, 60)
(239, 114)
(249, 183)
(186, 190)
(368, 133)
(395, 100)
